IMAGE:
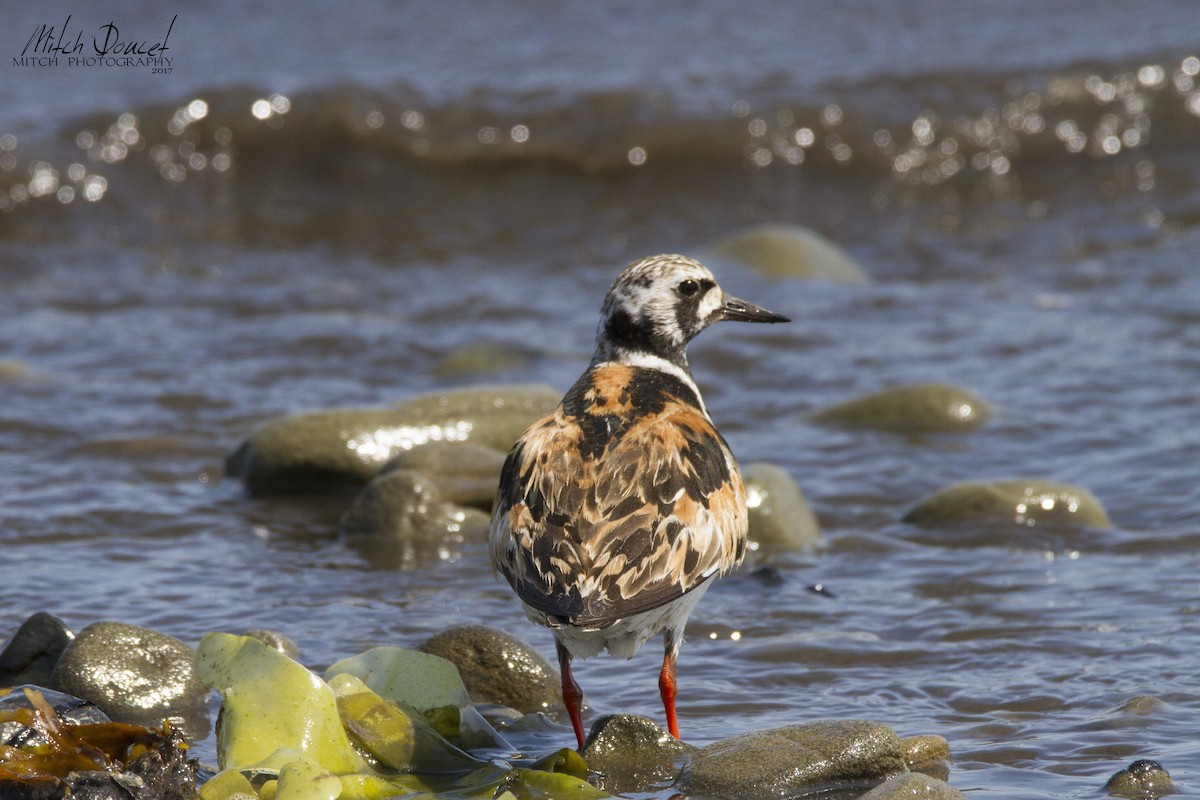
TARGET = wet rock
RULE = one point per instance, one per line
(1142, 705)
(32, 652)
(482, 358)
(1141, 780)
(498, 668)
(924, 408)
(790, 251)
(913, 784)
(465, 473)
(1025, 502)
(782, 762)
(631, 753)
(276, 641)
(135, 675)
(401, 521)
(327, 449)
(17, 733)
(780, 518)
(925, 751)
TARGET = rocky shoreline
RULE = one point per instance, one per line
(453, 716)
(450, 719)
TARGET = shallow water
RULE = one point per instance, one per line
(422, 181)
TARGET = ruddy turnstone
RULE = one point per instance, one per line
(614, 512)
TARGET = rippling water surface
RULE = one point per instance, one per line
(313, 209)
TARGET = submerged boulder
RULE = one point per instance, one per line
(913, 784)
(790, 251)
(465, 473)
(400, 520)
(923, 408)
(1141, 780)
(482, 358)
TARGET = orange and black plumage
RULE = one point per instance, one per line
(615, 512)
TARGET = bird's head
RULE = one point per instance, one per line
(658, 304)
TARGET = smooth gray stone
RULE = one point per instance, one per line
(481, 358)
(927, 751)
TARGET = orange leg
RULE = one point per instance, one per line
(666, 687)
(572, 694)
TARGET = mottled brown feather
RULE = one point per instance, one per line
(621, 501)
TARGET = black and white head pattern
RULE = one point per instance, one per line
(655, 307)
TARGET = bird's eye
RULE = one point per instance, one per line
(689, 287)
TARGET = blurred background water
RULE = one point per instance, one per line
(316, 205)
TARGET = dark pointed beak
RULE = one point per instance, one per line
(739, 310)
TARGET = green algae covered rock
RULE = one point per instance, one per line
(271, 703)
(286, 734)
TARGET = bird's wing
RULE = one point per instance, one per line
(653, 513)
